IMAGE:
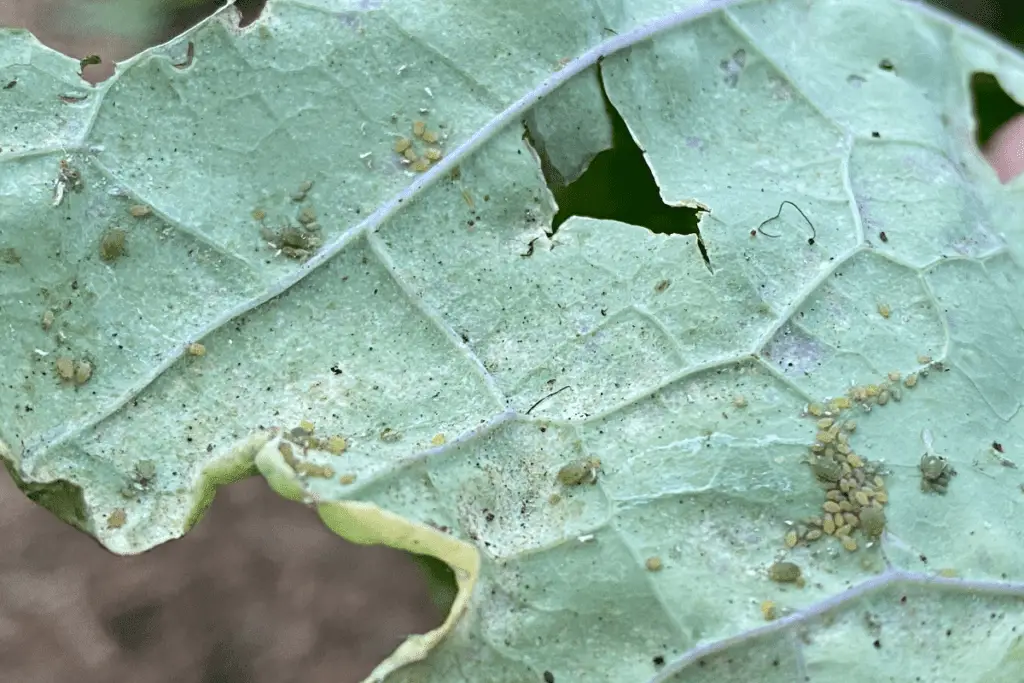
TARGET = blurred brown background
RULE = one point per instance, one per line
(259, 591)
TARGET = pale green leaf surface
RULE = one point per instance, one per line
(425, 335)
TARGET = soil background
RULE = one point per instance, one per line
(259, 591)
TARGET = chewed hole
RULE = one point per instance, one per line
(619, 185)
(993, 107)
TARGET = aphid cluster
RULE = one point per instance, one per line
(408, 148)
(73, 372)
(295, 241)
(302, 436)
(855, 492)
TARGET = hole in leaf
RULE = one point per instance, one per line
(191, 14)
(258, 590)
(992, 106)
(618, 185)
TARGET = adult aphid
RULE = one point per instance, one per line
(814, 232)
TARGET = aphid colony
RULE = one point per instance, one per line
(295, 241)
(407, 148)
(302, 436)
(854, 489)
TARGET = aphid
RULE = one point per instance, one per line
(851, 519)
(824, 437)
(883, 397)
(872, 520)
(83, 371)
(579, 472)
(144, 473)
(653, 564)
(843, 447)
(65, 368)
(839, 521)
(850, 425)
(418, 128)
(848, 543)
(307, 216)
(791, 538)
(830, 506)
(834, 494)
(769, 610)
(816, 409)
(117, 518)
(935, 469)
(840, 403)
(420, 165)
(285, 449)
(112, 244)
(433, 153)
(813, 535)
(429, 136)
(843, 531)
(195, 349)
(139, 210)
(894, 376)
(308, 469)
(739, 401)
(910, 381)
(817, 447)
(825, 422)
(828, 526)
(437, 440)
(389, 435)
(924, 360)
(661, 286)
(826, 469)
(882, 236)
(884, 310)
(896, 394)
(402, 144)
(854, 460)
(785, 572)
(845, 506)
(336, 445)
(862, 498)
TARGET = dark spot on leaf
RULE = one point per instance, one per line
(549, 677)
(886, 65)
(659, 661)
(878, 644)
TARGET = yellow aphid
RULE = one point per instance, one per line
(816, 409)
(259, 214)
(196, 349)
(872, 390)
(883, 397)
(813, 535)
(854, 460)
(830, 506)
(879, 482)
(307, 216)
(433, 153)
(653, 564)
(828, 526)
(117, 518)
(872, 520)
(894, 376)
(739, 401)
(791, 538)
(843, 447)
(83, 371)
(850, 425)
(848, 543)
(785, 572)
(112, 244)
(769, 611)
(438, 440)
(139, 210)
(882, 497)
(65, 368)
(419, 128)
(402, 144)
(420, 165)
(840, 403)
(336, 445)
(825, 423)
(851, 519)
(48, 318)
(824, 437)
(924, 360)
(862, 498)
(347, 479)
(843, 531)
(307, 426)
(845, 506)
(833, 494)
(430, 136)
(910, 381)
(884, 310)
(839, 521)
(409, 154)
